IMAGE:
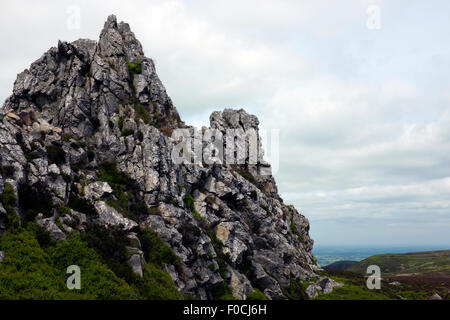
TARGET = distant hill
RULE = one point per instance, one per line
(413, 263)
(340, 265)
(405, 276)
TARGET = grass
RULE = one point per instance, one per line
(223, 292)
(407, 263)
(127, 132)
(257, 295)
(141, 113)
(156, 251)
(189, 201)
(35, 199)
(355, 289)
(352, 290)
(134, 68)
(120, 122)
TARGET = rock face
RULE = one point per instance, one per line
(87, 103)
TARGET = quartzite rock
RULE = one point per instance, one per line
(87, 103)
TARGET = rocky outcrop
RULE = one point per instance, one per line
(85, 109)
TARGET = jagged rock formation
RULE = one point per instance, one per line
(85, 108)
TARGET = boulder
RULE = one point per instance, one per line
(109, 217)
(49, 225)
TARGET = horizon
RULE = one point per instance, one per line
(363, 113)
(381, 246)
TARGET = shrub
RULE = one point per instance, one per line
(35, 199)
(66, 137)
(257, 295)
(98, 280)
(141, 113)
(120, 123)
(63, 211)
(115, 178)
(66, 177)
(296, 290)
(127, 132)
(111, 245)
(157, 285)
(295, 231)
(247, 176)
(31, 156)
(189, 201)
(91, 155)
(190, 234)
(134, 68)
(223, 292)
(9, 201)
(118, 181)
(27, 272)
(81, 205)
(157, 251)
(30, 271)
(55, 155)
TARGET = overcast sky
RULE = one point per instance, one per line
(360, 91)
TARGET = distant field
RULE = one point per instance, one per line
(415, 263)
(340, 265)
(406, 276)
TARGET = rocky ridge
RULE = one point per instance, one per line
(88, 129)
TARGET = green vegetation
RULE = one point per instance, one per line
(134, 68)
(32, 272)
(157, 285)
(247, 176)
(156, 251)
(31, 156)
(63, 211)
(353, 289)
(66, 137)
(127, 132)
(81, 205)
(189, 201)
(407, 263)
(294, 229)
(296, 290)
(257, 295)
(35, 199)
(35, 268)
(97, 279)
(417, 274)
(407, 288)
(223, 292)
(120, 123)
(141, 113)
(118, 181)
(90, 154)
(9, 201)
